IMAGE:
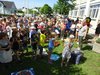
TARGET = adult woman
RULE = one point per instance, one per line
(5, 49)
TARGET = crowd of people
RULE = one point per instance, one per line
(16, 33)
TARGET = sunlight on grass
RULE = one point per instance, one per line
(89, 65)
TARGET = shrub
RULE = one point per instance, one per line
(89, 36)
(98, 40)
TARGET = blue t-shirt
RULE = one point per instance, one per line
(51, 44)
(68, 25)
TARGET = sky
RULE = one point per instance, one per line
(32, 3)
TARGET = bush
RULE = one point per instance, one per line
(89, 36)
(4, 15)
(98, 40)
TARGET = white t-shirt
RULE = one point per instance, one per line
(78, 27)
(9, 31)
(72, 27)
(83, 31)
(5, 56)
(66, 51)
(42, 24)
(57, 32)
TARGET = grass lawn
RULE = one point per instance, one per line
(90, 65)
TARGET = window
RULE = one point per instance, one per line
(71, 13)
(93, 13)
(94, 9)
(1, 8)
(92, 0)
(75, 13)
(96, 12)
(0, 4)
(81, 12)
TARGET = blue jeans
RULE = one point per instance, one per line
(76, 57)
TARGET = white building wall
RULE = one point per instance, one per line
(1, 8)
(87, 8)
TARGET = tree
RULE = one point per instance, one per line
(30, 11)
(56, 8)
(38, 8)
(63, 6)
(35, 12)
(46, 9)
(20, 11)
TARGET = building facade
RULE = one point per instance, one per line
(87, 8)
(7, 7)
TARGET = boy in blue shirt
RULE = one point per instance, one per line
(50, 46)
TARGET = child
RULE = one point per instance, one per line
(42, 39)
(66, 54)
(50, 46)
(23, 37)
(15, 43)
(34, 42)
(76, 55)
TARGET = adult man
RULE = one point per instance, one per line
(83, 31)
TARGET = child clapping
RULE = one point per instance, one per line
(66, 54)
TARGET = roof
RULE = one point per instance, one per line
(8, 4)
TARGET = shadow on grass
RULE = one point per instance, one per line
(87, 41)
(83, 59)
(42, 67)
(87, 47)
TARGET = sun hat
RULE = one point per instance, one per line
(32, 24)
(32, 27)
(71, 36)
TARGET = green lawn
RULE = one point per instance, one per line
(90, 65)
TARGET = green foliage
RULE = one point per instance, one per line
(46, 9)
(56, 8)
(30, 11)
(20, 11)
(5, 15)
(89, 65)
(63, 6)
(35, 12)
(98, 40)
